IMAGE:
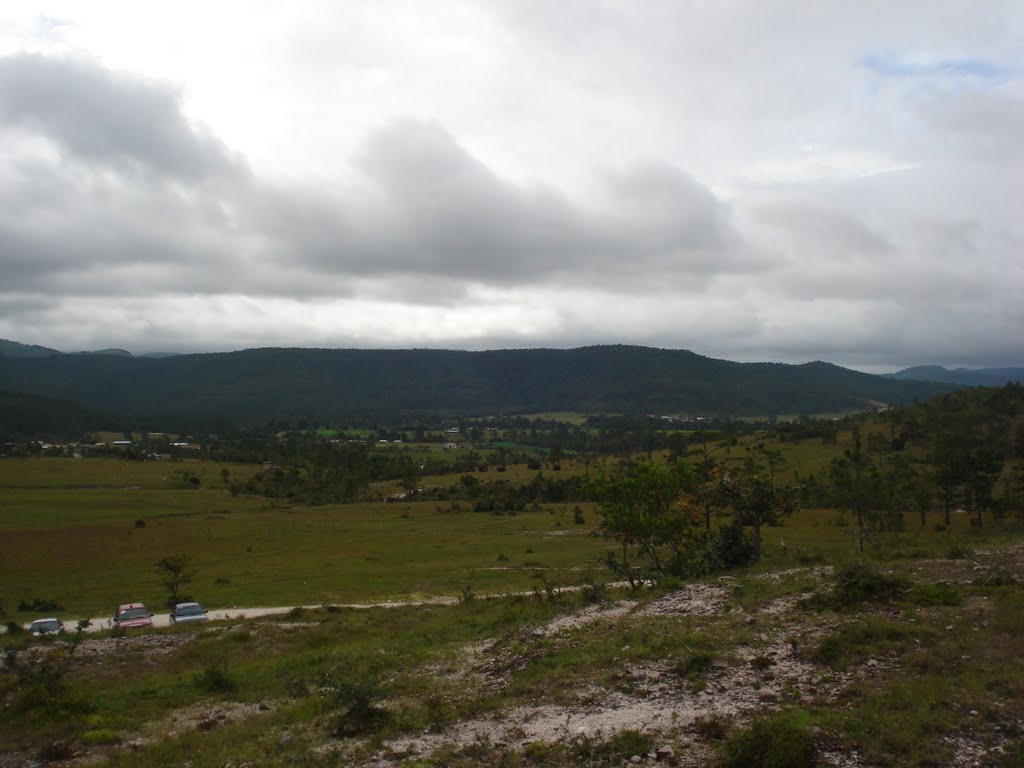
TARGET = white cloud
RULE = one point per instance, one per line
(756, 180)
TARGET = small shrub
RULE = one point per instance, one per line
(695, 666)
(592, 590)
(547, 590)
(934, 594)
(39, 605)
(440, 711)
(625, 744)
(540, 752)
(959, 551)
(831, 650)
(783, 740)
(1000, 577)
(857, 584)
(215, 679)
(809, 557)
(100, 736)
(864, 638)
(731, 548)
(467, 594)
(711, 727)
(357, 696)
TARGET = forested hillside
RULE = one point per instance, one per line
(207, 390)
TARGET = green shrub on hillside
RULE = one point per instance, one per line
(783, 740)
(857, 584)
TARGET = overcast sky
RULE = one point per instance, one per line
(776, 180)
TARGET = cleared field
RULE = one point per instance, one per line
(86, 533)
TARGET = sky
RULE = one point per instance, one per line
(754, 180)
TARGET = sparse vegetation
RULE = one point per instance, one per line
(783, 740)
(909, 656)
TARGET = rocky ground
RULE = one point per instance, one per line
(764, 666)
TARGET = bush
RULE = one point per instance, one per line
(809, 557)
(783, 740)
(856, 584)
(695, 666)
(357, 696)
(731, 547)
(959, 551)
(592, 590)
(624, 745)
(100, 736)
(934, 594)
(711, 727)
(39, 605)
(866, 637)
(215, 679)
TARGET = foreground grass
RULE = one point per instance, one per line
(911, 661)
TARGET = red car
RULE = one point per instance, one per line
(132, 615)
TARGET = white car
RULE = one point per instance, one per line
(45, 627)
(188, 612)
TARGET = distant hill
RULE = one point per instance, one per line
(254, 386)
(118, 352)
(14, 349)
(962, 377)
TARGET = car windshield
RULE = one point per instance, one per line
(133, 613)
(190, 610)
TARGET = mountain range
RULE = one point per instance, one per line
(962, 377)
(221, 390)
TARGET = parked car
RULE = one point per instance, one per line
(45, 627)
(132, 615)
(187, 612)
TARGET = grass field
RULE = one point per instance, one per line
(921, 667)
(86, 533)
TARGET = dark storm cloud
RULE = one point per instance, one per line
(98, 116)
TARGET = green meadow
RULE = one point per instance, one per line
(85, 533)
(912, 658)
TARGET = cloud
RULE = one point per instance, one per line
(100, 117)
(444, 212)
(157, 205)
(749, 179)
